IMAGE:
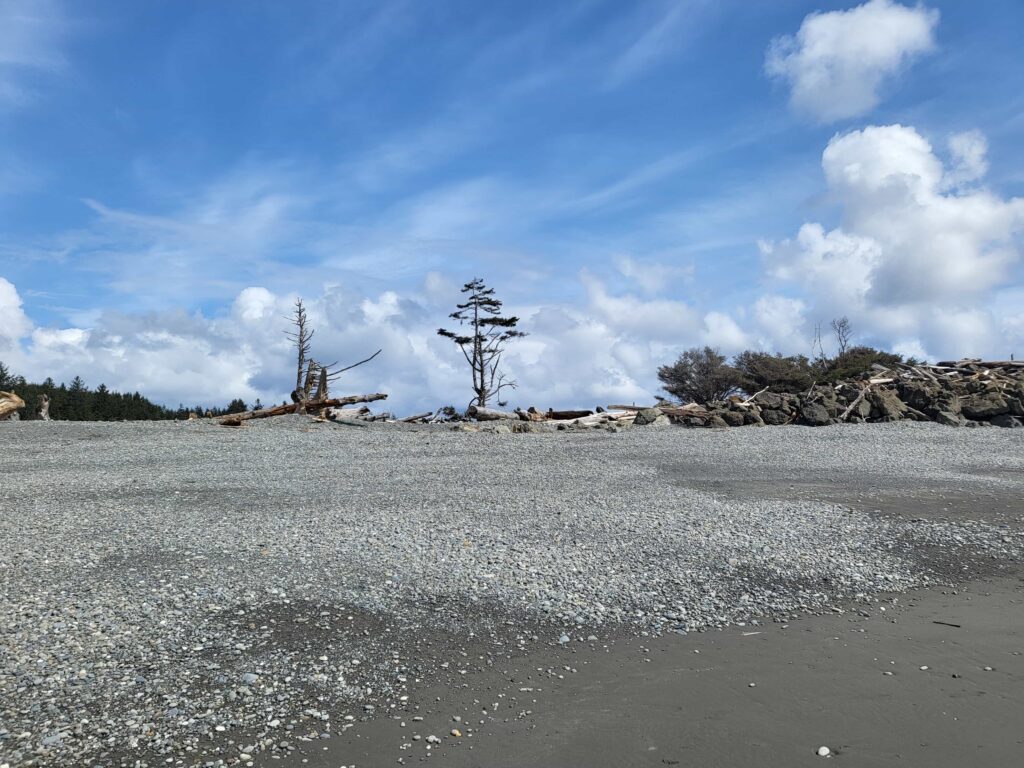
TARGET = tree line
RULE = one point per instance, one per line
(77, 402)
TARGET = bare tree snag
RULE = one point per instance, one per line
(10, 404)
(43, 408)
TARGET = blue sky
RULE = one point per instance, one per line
(632, 178)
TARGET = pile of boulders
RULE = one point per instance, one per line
(968, 393)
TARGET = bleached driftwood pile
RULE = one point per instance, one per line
(10, 404)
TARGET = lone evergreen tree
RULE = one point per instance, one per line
(483, 340)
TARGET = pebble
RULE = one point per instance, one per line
(824, 751)
(137, 601)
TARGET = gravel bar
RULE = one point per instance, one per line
(185, 594)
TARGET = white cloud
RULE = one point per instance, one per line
(606, 349)
(837, 62)
(969, 151)
(14, 323)
(914, 262)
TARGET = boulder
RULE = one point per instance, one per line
(984, 406)
(661, 422)
(752, 417)
(769, 400)
(949, 419)
(774, 418)
(886, 405)
(647, 416)
(1006, 421)
(715, 420)
(733, 418)
(814, 415)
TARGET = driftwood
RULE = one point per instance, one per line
(417, 417)
(281, 410)
(489, 414)
(43, 407)
(10, 404)
(846, 414)
(553, 415)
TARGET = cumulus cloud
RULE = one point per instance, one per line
(969, 151)
(915, 260)
(838, 62)
(606, 349)
(14, 323)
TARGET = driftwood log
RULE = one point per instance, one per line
(281, 410)
(10, 404)
(489, 414)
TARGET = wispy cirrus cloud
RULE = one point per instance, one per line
(31, 38)
(661, 34)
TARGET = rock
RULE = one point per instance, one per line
(948, 419)
(647, 416)
(733, 418)
(886, 405)
(752, 417)
(502, 429)
(661, 422)
(770, 400)
(982, 407)
(774, 417)
(814, 415)
(824, 752)
(1006, 421)
(715, 420)
(524, 427)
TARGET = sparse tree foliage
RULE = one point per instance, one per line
(844, 334)
(482, 338)
(700, 376)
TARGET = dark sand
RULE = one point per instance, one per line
(688, 700)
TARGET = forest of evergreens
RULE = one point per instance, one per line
(77, 402)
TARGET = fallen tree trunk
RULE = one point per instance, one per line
(10, 404)
(553, 415)
(417, 417)
(489, 414)
(281, 410)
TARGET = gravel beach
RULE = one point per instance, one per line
(187, 594)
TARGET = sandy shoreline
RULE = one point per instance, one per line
(851, 680)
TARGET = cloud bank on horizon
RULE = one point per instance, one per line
(631, 181)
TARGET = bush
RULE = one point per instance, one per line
(700, 376)
(857, 361)
(779, 374)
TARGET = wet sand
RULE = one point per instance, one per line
(763, 695)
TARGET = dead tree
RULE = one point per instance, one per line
(43, 407)
(309, 372)
(488, 333)
(844, 334)
(302, 337)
